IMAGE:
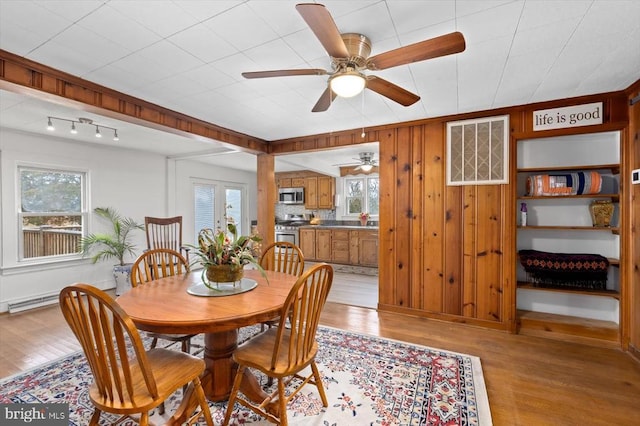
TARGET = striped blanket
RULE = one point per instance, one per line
(564, 184)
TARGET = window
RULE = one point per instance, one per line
(52, 212)
(362, 195)
(210, 209)
(477, 151)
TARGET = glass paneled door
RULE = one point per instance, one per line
(215, 202)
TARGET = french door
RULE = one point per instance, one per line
(217, 202)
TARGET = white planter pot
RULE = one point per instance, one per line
(122, 275)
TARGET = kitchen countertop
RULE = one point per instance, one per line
(330, 226)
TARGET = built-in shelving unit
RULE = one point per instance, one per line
(562, 224)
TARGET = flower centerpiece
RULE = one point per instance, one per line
(223, 254)
(364, 218)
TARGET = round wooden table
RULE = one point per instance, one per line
(165, 306)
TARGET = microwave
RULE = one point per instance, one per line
(291, 195)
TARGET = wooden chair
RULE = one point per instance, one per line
(282, 256)
(126, 383)
(165, 232)
(282, 352)
(159, 263)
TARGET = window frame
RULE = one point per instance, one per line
(365, 195)
(84, 212)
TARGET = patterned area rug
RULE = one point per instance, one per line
(369, 381)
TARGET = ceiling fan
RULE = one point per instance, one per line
(366, 162)
(350, 57)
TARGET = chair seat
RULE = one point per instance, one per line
(257, 353)
(170, 380)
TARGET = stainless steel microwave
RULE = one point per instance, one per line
(291, 195)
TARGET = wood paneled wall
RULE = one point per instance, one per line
(448, 252)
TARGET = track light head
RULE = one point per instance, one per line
(98, 134)
(115, 135)
(50, 125)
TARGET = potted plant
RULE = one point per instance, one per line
(223, 254)
(116, 244)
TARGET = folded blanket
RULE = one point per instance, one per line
(544, 269)
(576, 183)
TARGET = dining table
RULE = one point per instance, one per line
(180, 305)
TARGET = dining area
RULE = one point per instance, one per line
(168, 301)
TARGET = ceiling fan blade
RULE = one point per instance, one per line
(439, 46)
(324, 27)
(391, 91)
(325, 100)
(283, 73)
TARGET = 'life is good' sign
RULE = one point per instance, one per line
(574, 116)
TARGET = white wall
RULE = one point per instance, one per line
(135, 183)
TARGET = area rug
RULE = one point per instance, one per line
(368, 380)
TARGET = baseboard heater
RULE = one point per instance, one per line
(36, 302)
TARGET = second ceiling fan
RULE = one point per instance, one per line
(350, 57)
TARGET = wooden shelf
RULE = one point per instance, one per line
(614, 230)
(614, 197)
(585, 292)
(615, 168)
(567, 328)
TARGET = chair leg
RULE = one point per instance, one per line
(154, 342)
(319, 385)
(144, 419)
(282, 400)
(202, 400)
(95, 419)
(234, 394)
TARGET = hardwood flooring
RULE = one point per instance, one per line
(530, 380)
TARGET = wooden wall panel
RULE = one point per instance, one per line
(469, 251)
(489, 251)
(433, 218)
(387, 230)
(417, 217)
(404, 218)
(455, 235)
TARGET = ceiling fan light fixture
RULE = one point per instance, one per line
(366, 167)
(347, 84)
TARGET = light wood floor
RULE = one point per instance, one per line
(530, 380)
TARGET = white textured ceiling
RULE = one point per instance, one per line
(188, 56)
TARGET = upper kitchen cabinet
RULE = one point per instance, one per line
(319, 189)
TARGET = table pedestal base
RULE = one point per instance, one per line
(218, 377)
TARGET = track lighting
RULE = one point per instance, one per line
(82, 120)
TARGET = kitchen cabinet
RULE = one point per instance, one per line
(323, 244)
(311, 193)
(340, 246)
(308, 243)
(368, 248)
(344, 246)
(326, 192)
(298, 182)
(283, 182)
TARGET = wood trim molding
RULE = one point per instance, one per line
(21, 75)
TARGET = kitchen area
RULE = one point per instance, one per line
(306, 215)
